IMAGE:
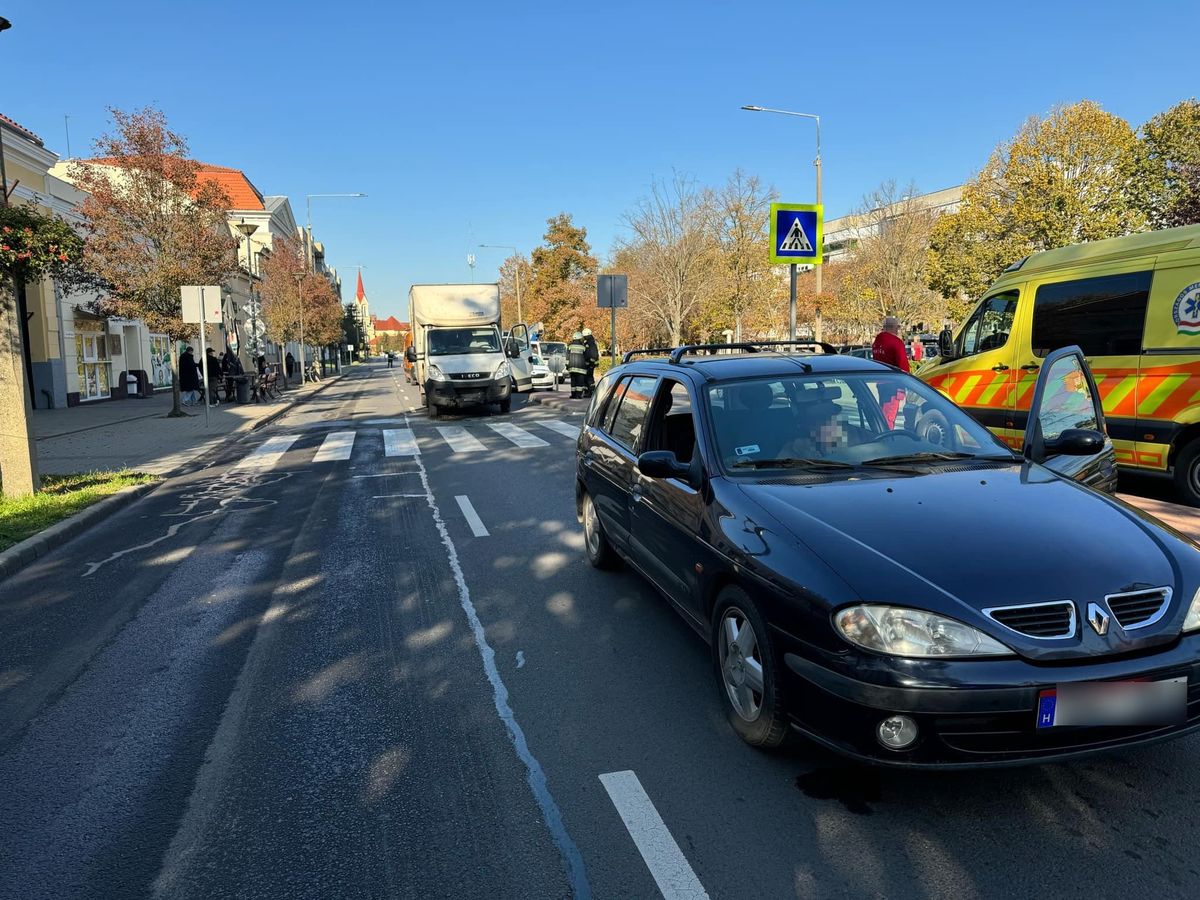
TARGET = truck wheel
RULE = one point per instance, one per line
(433, 408)
(506, 404)
(1187, 472)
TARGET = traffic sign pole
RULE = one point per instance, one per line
(792, 301)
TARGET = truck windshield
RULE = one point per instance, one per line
(449, 341)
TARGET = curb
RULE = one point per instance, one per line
(566, 404)
(20, 555)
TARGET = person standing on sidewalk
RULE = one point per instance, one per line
(189, 378)
(591, 358)
(889, 349)
(577, 364)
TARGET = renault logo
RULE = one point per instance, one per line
(1097, 618)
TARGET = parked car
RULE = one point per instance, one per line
(543, 378)
(900, 601)
(548, 349)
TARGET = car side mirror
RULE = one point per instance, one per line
(662, 464)
(411, 354)
(1076, 442)
(946, 345)
(511, 350)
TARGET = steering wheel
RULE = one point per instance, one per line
(899, 432)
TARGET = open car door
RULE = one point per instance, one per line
(520, 356)
(1066, 431)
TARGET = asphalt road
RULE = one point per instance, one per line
(332, 666)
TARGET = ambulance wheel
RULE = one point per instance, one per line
(1187, 472)
(934, 429)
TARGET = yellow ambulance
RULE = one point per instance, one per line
(1133, 305)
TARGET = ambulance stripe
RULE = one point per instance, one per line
(960, 395)
(1155, 398)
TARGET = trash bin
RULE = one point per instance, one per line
(243, 390)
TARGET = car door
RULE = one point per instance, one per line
(983, 376)
(1064, 398)
(520, 356)
(610, 456)
(666, 513)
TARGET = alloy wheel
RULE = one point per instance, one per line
(741, 664)
(591, 528)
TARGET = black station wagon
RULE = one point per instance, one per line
(875, 570)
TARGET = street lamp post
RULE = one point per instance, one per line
(299, 276)
(247, 229)
(817, 164)
(516, 253)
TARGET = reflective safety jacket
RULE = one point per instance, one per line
(577, 358)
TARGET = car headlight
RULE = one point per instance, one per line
(502, 370)
(897, 631)
(435, 374)
(1192, 622)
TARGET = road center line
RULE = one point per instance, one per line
(535, 775)
(668, 865)
(472, 517)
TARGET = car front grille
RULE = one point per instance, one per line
(1137, 609)
(1044, 621)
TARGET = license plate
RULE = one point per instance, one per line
(1101, 703)
(471, 396)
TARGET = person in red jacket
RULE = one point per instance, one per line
(889, 348)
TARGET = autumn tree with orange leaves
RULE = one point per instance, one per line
(296, 300)
(151, 225)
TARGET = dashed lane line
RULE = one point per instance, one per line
(472, 517)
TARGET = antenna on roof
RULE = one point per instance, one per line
(67, 127)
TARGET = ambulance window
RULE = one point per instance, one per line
(991, 324)
(1105, 316)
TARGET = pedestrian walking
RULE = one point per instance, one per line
(592, 358)
(189, 378)
(577, 364)
(215, 375)
(889, 348)
(289, 363)
(918, 349)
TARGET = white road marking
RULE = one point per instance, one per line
(460, 440)
(399, 442)
(518, 436)
(668, 865)
(268, 454)
(564, 428)
(337, 445)
(385, 474)
(472, 517)
(538, 785)
(387, 496)
(383, 421)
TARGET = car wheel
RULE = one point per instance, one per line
(747, 670)
(434, 410)
(595, 543)
(934, 429)
(506, 404)
(1187, 472)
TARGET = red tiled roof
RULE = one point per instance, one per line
(22, 130)
(241, 191)
(391, 323)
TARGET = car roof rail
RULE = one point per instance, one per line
(646, 351)
(678, 353)
(821, 345)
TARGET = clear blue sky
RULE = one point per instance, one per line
(471, 123)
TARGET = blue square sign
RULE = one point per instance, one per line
(796, 233)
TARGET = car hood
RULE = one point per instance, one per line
(461, 363)
(965, 538)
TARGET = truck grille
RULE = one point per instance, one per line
(469, 376)
(1044, 621)
(1137, 609)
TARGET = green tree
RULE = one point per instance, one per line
(1168, 166)
(1060, 180)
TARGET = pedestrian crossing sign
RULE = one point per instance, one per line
(796, 233)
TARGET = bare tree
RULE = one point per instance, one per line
(745, 286)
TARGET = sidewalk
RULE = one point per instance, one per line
(136, 434)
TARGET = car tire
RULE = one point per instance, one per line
(434, 410)
(506, 404)
(740, 658)
(1187, 472)
(934, 429)
(595, 542)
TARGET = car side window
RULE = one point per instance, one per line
(1105, 316)
(614, 403)
(599, 396)
(991, 324)
(630, 416)
(673, 424)
(1067, 401)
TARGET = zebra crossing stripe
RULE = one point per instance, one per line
(518, 436)
(460, 440)
(337, 445)
(399, 442)
(564, 428)
(268, 454)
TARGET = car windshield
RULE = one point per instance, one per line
(554, 348)
(842, 420)
(448, 341)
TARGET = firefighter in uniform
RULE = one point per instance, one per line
(591, 359)
(577, 364)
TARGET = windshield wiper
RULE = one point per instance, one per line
(792, 462)
(931, 456)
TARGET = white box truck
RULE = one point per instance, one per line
(457, 353)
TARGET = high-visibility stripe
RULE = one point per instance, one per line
(988, 397)
(1154, 399)
(1120, 400)
(961, 394)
